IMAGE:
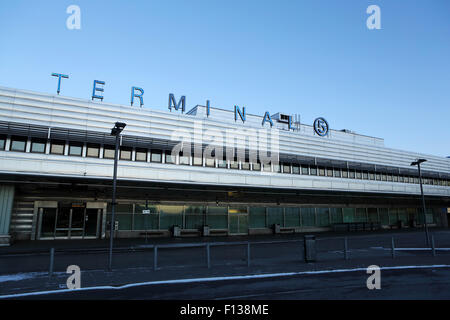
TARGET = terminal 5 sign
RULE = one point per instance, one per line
(320, 125)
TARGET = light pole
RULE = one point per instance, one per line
(118, 128)
(417, 163)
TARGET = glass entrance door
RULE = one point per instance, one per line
(69, 222)
(238, 220)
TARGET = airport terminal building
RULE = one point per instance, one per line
(56, 168)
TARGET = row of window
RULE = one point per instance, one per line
(238, 219)
(60, 147)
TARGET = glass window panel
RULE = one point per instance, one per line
(384, 216)
(170, 215)
(383, 177)
(141, 155)
(365, 175)
(38, 145)
(323, 217)
(329, 172)
(336, 215)
(257, 216)
(295, 169)
(344, 174)
(305, 170)
(321, 171)
(217, 217)
(286, 168)
(194, 217)
(292, 217)
(108, 152)
(337, 173)
(395, 178)
(210, 162)
(75, 149)
(156, 156)
(57, 147)
(313, 171)
(235, 165)
(360, 215)
(266, 167)
(222, 164)
(257, 167)
(18, 144)
(125, 154)
(358, 175)
(184, 160)
(2, 142)
(276, 168)
(197, 161)
(245, 166)
(274, 216)
(373, 214)
(93, 151)
(351, 174)
(169, 158)
(308, 217)
(348, 214)
(389, 177)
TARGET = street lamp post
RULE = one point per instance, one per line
(118, 128)
(418, 162)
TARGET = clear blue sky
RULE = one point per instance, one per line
(315, 58)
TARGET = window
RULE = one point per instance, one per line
(141, 154)
(209, 162)
(168, 157)
(395, 178)
(313, 171)
(351, 174)
(245, 165)
(329, 172)
(276, 168)
(108, 152)
(2, 142)
(184, 158)
(234, 164)
(125, 153)
(38, 145)
(286, 168)
(18, 144)
(295, 169)
(57, 147)
(197, 161)
(266, 167)
(93, 150)
(365, 175)
(344, 174)
(358, 175)
(378, 176)
(416, 180)
(257, 166)
(389, 177)
(321, 171)
(156, 156)
(383, 177)
(372, 176)
(305, 169)
(222, 163)
(337, 173)
(76, 149)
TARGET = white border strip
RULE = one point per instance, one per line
(212, 279)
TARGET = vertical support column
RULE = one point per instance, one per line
(345, 248)
(392, 248)
(433, 248)
(6, 201)
(248, 254)
(52, 260)
(155, 258)
(208, 256)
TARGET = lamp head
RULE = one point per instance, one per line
(118, 128)
(418, 161)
